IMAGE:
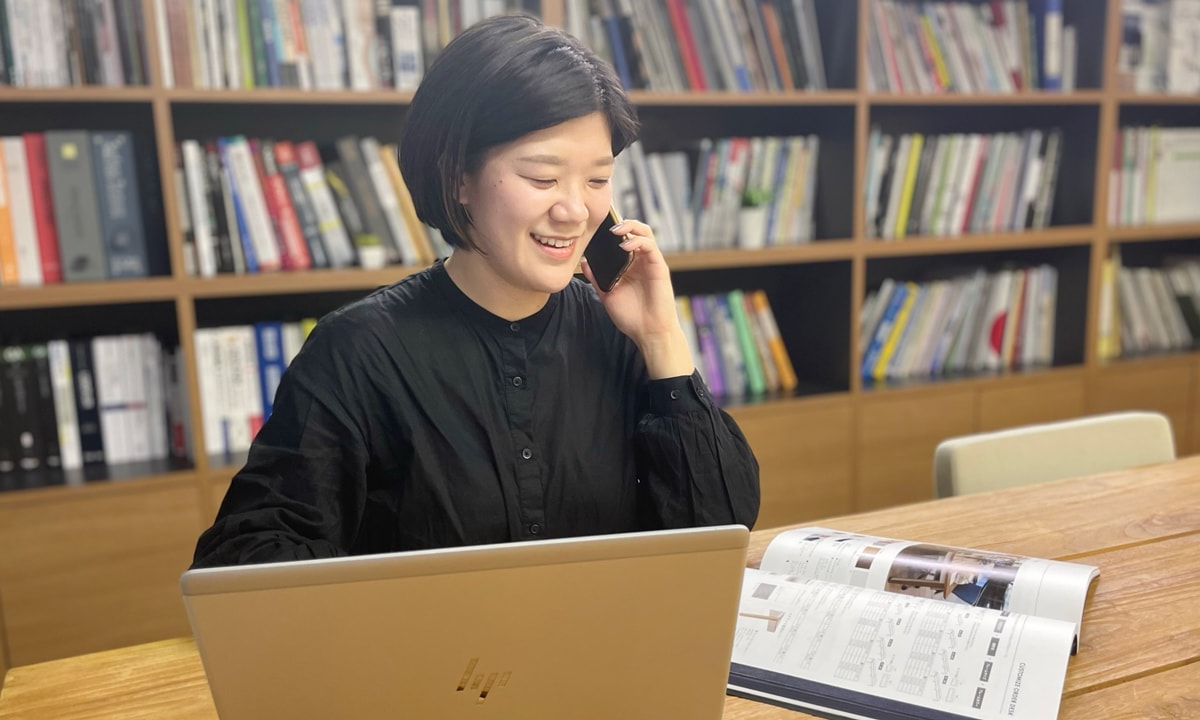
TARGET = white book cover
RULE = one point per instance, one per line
(1048, 306)
(669, 234)
(197, 195)
(201, 69)
(212, 395)
(293, 339)
(166, 67)
(1177, 175)
(808, 201)
(359, 22)
(254, 205)
(319, 34)
(156, 403)
(111, 396)
(1183, 54)
(212, 45)
(408, 58)
(1030, 335)
(63, 388)
(20, 204)
(136, 416)
(230, 45)
(933, 188)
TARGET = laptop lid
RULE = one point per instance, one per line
(629, 626)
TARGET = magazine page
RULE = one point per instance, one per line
(978, 578)
(860, 653)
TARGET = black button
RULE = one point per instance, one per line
(515, 327)
(700, 392)
(518, 381)
(526, 453)
(535, 529)
(674, 394)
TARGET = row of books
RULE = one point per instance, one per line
(738, 192)
(1158, 51)
(239, 368)
(59, 43)
(71, 209)
(91, 401)
(736, 344)
(1154, 176)
(310, 44)
(251, 206)
(944, 185)
(1000, 46)
(1148, 309)
(969, 323)
(732, 45)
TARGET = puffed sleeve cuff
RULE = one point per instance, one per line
(675, 396)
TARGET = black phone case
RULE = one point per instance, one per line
(605, 256)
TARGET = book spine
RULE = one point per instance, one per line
(43, 207)
(306, 216)
(87, 410)
(338, 245)
(20, 200)
(62, 385)
(120, 208)
(76, 213)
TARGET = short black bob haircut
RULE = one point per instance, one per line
(501, 79)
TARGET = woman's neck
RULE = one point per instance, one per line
(475, 277)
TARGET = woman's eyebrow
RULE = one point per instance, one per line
(556, 160)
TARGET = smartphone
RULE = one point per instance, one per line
(604, 253)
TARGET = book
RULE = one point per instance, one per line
(849, 625)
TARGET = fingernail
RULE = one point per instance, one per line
(617, 227)
(626, 244)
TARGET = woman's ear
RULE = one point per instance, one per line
(463, 190)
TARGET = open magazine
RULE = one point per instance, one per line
(849, 625)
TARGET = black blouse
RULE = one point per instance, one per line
(416, 419)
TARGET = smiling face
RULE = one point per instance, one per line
(534, 205)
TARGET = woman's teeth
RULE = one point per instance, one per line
(552, 242)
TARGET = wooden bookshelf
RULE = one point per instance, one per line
(838, 446)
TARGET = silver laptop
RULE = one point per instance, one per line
(628, 626)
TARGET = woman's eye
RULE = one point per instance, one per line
(599, 182)
(542, 182)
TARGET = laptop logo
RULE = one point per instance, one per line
(478, 682)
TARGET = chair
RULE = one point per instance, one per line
(1050, 451)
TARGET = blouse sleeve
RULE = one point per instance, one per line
(302, 490)
(692, 458)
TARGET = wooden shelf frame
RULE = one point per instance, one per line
(838, 448)
(857, 250)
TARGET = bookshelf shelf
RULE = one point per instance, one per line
(284, 283)
(43, 493)
(88, 293)
(646, 98)
(1083, 97)
(262, 96)
(77, 94)
(1054, 237)
(817, 251)
(1150, 233)
(1132, 98)
(1153, 361)
(983, 381)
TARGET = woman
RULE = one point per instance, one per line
(493, 397)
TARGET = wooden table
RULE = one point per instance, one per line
(1140, 645)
